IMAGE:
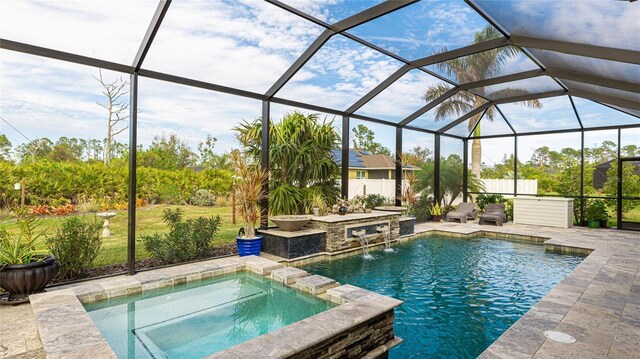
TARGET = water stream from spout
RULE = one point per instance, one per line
(364, 243)
(387, 240)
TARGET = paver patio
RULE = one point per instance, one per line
(598, 303)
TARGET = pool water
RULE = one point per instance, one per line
(459, 295)
(198, 319)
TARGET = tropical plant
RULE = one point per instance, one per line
(76, 246)
(475, 67)
(409, 194)
(186, 240)
(451, 184)
(435, 210)
(249, 190)
(317, 201)
(23, 247)
(420, 209)
(300, 159)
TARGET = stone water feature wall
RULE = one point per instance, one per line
(339, 228)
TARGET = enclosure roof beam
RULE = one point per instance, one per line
(616, 101)
(424, 109)
(481, 108)
(152, 30)
(569, 130)
(464, 117)
(594, 80)
(599, 52)
(505, 119)
(343, 25)
(329, 110)
(618, 108)
(300, 61)
(379, 88)
(321, 23)
(371, 13)
(297, 12)
(502, 79)
(461, 52)
(444, 56)
(63, 56)
(575, 111)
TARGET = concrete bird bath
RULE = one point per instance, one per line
(106, 227)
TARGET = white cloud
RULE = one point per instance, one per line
(110, 30)
(604, 23)
(402, 98)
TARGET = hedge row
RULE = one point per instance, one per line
(55, 183)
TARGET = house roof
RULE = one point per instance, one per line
(359, 159)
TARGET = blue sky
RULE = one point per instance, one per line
(248, 44)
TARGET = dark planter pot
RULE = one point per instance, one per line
(342, 210)
(595, 223)
(249, 246)
(435, 218)
(26, 279)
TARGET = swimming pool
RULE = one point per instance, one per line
(198, 319)
(459, 294)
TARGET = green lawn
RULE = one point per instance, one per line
(149, 221)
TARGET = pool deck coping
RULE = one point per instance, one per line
(67, 331)
(598, 302)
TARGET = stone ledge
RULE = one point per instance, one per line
(348, 293)
(260, 265)
(289, 234)
(317, 331)
(315, 284)
(65, 328)
(288, 275)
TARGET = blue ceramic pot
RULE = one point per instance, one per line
(249, 246)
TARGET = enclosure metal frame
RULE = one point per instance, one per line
(340, 28)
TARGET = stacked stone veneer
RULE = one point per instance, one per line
(338, 232)
(361, 325)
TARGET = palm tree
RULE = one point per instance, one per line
(301, 159)
(480, 66)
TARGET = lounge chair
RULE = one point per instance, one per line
(464, 211)
(494, 213)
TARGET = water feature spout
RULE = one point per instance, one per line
(364, 242)
(386, 233)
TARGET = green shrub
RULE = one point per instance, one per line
(373, 200)
(76, 245)
(186, 240)
(508, 208)
(596, 210)
(203, 198)
(482, 200)
(420, 209)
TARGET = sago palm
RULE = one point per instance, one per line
(476, 67)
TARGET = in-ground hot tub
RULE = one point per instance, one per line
(196, 320)
(245, 308)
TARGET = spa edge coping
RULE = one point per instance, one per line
(67, 331)
(597, 252)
